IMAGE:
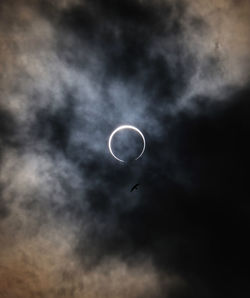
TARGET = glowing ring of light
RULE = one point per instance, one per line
(121, 128)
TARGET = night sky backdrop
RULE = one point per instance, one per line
(71, 71)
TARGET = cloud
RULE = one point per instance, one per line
(72, 72)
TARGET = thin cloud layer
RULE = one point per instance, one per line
(72, 71)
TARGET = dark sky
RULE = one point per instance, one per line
(71, 72)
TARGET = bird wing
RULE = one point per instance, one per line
(134, 187)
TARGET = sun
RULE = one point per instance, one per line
(119, 129)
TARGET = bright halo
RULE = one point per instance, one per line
(121, 128)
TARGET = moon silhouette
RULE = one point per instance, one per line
(119, 129)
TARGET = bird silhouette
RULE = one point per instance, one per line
(134, 187)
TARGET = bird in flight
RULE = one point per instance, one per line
(134, 187)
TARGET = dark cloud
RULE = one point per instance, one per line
(82, 68)
(7, 141)
(129, 44)
(8, 130)
(3, 208)
(55, 126)
(192, 217)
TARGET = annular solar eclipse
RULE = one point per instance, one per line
(122, 127)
